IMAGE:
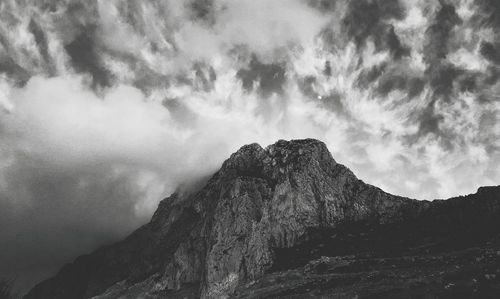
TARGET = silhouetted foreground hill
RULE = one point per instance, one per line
(288, 221)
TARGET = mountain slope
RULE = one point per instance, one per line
(288, 207)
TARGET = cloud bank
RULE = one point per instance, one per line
(108, 106)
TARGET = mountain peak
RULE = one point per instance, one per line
(289, 151)
(297, 144)
(283, 150)
(280, 159)
(488, 190)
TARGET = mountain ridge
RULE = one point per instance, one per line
(262, 203)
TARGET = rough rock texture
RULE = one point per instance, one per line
(287, 212)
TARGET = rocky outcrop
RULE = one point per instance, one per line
(265, 211)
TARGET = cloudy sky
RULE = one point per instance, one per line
(107, 106)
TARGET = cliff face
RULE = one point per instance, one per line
(266, 211)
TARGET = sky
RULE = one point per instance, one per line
(108, 106)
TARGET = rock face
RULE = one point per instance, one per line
(288, 211)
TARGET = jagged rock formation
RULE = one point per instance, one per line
(282, 221)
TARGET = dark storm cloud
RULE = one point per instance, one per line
(326, 6)
(400, 81)
(490, 10)
(84, 57)
(129, 13)
(203, 10)
(201, 77)
(429, 120)
(147, 79)
(492, 75)
(327, 70)
(332, 101)
(438, 34)
(395, 46)
(386, 79)
(42, 44)
(306, 85)
(369, 19)
(367, 77)
(8, 65)
(441, 78)
(270, 78)
(441, 74)
(180, 112)
(491, 52)
(415, 86)
(469, 81)
(486, 121)
(10, 68)
(204, 77)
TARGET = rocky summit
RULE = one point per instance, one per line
(288, 221)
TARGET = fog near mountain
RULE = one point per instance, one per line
(108, 106)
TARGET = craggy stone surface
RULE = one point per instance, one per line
(289, 221)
